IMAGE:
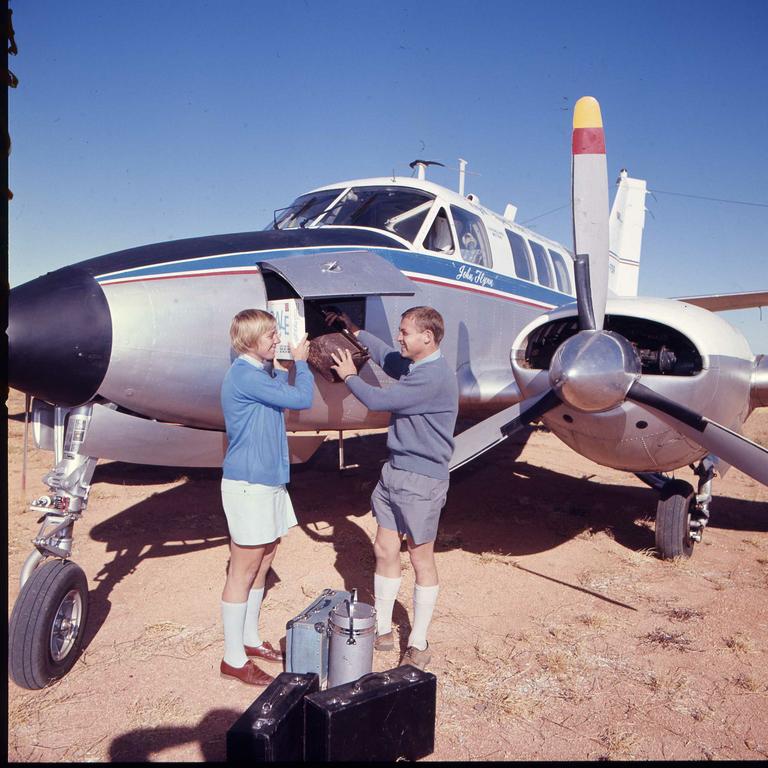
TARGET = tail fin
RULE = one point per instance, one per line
(625, 235)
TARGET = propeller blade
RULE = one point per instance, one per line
(589, 196)
(749, 457)
(495, 429)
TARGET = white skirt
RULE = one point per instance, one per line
(256, 514)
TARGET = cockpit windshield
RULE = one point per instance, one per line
(393, 209)
(303, 209)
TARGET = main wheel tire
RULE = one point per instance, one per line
(47, 624)
(673, 520)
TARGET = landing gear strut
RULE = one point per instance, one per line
(47, 624)
(681, 514)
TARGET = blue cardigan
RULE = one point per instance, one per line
(423, 404)
(253, 402)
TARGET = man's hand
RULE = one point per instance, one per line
(342, 318)
(301, 350)
(344, 366)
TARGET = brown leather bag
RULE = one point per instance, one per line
(320, 349)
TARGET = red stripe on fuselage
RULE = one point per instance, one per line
(472, 289)
(588, 141)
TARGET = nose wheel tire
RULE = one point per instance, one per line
(673, 520)
(47, 624)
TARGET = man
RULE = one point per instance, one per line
(414, 482)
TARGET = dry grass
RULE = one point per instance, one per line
(739, 642)
(666, 639)
(167, 709)
(618, 743)
(745, 682)
(684, 614)
(168, 638)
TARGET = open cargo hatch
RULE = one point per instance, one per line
(339, 274)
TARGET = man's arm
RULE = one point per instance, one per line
(409, 395)
(388, 358)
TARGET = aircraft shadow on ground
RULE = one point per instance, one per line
(139, 745)
(495, 505)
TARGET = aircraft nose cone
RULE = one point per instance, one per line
(59, 337)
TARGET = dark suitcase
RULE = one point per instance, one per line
(306, 636)
(272, 728)
(383, 716)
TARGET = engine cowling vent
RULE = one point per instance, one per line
(662, 350)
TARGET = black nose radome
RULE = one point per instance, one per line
(59, 337)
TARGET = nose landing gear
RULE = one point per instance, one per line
(47, 625)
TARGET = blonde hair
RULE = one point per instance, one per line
(248, 326)
(427, 319)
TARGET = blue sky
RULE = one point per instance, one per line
(137, 122)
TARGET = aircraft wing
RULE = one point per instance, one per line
(719, 302)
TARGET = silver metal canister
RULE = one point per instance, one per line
(352, 630)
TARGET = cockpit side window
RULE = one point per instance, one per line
(440, 238)
(561, 271)
(473, 241)
(520, 256)
(542, 264)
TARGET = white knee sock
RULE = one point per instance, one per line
(424, 599)
(251, 632)
(233, 618)
(385, 591)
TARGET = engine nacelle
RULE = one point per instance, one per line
(694, 357)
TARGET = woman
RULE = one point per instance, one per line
(256, 469)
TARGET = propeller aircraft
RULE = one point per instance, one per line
(123, 355)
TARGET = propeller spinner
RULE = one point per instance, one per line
(597, 370)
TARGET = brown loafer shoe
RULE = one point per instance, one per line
(417, 658)
(265, 651)
(385, 642)
(249, 673)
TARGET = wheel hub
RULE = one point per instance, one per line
(66, 625)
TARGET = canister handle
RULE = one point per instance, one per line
(351, 639)
(358, 686)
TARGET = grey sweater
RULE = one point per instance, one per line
(423, 405)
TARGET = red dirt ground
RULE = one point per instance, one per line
(558, 633)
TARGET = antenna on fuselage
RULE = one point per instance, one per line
(421, 167)
(462, 174)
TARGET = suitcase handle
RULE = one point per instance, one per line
(278, 693)
(358, 686)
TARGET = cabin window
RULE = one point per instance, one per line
(473, 242)
(392, 209)
(543, 268)
(303, 210)
(561, 271)
(520, 255)
(440, 238)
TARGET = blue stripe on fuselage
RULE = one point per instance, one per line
(418, 265)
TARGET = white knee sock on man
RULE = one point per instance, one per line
(233, 618)
(385, 592)
(424, 600)
(251, 632)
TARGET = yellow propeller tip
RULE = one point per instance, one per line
(586, 113)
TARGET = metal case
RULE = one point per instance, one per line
(383, 716)
(306, 636)
(272, 728)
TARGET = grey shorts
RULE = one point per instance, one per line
(409, 503)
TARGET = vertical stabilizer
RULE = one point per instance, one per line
(625, 235)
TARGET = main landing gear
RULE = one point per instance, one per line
(682, 514)
(47, 624)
